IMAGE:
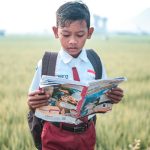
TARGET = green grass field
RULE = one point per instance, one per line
(124, 128)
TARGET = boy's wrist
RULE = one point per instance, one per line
(31, 108)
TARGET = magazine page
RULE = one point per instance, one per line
(64, 102)
(96, 101)
(72, 100)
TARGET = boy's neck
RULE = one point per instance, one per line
(75, 56)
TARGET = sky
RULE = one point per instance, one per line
(38, 16)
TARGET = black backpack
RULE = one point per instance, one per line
(48, 68)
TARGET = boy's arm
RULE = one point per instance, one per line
(116, 94)
(36, 97)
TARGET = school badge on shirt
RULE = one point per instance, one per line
(91, 73)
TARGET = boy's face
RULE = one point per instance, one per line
(73, 36)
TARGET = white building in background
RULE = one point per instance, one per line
(100, 25)
(2, 32)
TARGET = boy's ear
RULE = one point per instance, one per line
(90, 32)
(55, 31)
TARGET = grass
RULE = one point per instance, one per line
(119, 129)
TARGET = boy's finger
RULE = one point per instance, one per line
(117, 93)
(39, 97)
(115, 97)
(38, 102)
(34, 104)
(35, 92)
(117, 89)
(40, 105)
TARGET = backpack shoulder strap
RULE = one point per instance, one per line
(36, 124)
(49, 63)
(96, 62)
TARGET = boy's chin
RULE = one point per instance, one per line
(74, 53)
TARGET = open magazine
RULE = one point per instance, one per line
(73, 100)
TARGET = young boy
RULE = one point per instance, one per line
(73, 29)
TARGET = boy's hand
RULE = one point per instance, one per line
(37, 99)
(116, 94)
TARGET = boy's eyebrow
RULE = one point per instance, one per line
(65, 30)
(82, 31)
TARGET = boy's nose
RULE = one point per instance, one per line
(72, 41)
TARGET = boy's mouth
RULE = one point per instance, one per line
(72, 48)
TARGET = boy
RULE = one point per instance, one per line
(73, 29)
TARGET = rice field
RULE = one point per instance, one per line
(126, 127)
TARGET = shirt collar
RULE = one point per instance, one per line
(67, 58)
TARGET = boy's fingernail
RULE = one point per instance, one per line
(47, 95)
(40, 89)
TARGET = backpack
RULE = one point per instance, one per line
(48, 68)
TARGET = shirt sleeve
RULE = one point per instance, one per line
(36, 78)
(104, 74)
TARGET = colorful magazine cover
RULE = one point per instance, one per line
(72, 100)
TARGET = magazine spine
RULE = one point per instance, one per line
(80, 103)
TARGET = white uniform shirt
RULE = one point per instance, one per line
(64, 64)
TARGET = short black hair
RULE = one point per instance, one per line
(72, 11)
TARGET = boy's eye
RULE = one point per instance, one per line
(80, 35)
(66, 35)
